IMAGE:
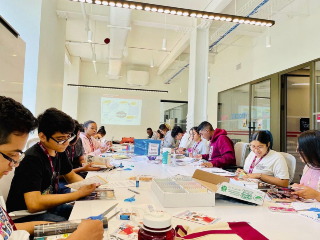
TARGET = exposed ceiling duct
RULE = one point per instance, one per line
(120, 20)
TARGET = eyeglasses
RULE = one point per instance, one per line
(258, 148)
(21, 157)
(69, 139)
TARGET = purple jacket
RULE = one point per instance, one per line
(221, 151)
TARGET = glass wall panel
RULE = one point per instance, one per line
(233, 112)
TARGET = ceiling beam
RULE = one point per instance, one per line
(181, 46)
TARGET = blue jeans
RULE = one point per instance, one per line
(58, 214)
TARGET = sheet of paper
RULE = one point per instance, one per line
(197, 217)
(95, 179)
(120, 184)
(177, 171)
(218, 171)
(305, 206)
(126, 230)
(153, 149)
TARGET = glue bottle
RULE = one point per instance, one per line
(137, 181)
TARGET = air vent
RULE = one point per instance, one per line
(238, 67)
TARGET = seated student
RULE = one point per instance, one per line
(35, 183)
(199, 146)
(309, 151)
(151, 135)
(75, 155)
(221, 151)
(90, 145)
(168, 141)
(185, 140)
(160, 135)
(100, 134)
(265, 164)
(16, 122)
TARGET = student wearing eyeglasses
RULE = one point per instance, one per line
(16, 122)
(264, 163)
(35, 183)
(75, 154)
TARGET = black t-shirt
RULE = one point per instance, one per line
(78, 152)
(35, 174)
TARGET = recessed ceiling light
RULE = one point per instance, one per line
(14, 55)
(126, 5)
(147, 8)
(132, 6)
(2, 80)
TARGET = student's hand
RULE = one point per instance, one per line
(89, 167)
(104, 148)
(190, 155)
(198, 156)
(207, 164)
(109, 144)
(89, 229)
(86, 190)
(307, 193)
(252, 175)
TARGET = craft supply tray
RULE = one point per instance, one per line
(182, 192)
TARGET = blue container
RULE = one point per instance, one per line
(141, 146)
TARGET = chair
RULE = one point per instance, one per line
(291, 162)
(241, 151)
(32, 142)
(4, 191)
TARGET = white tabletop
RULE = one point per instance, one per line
(270, 224)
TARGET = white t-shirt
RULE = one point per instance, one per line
(201, 148)
(273, 164)
(185, 141)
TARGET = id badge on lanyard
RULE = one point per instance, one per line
(55, 175)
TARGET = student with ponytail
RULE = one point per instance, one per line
(264, 163)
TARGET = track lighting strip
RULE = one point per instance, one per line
(182, 12)
(116, 88)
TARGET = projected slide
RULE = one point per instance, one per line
(119, 111)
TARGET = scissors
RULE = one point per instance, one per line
(101, 216)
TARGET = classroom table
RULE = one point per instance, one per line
(270, 224)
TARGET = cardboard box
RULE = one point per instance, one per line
(171, 193)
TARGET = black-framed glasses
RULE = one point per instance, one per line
(21, 157)
(69, 139)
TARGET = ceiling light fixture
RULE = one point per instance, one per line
(152, 63)
(182, 12)
(164, 44)
(193, 15)
(90, 36)
(268, 41)
(301, 84)
(94, 58)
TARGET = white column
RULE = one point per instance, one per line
(70, 94)
(198, 76)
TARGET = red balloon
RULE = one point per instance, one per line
(107, 41)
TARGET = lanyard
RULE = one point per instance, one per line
(54, 175)
(253, 165)
(194, 148)
(91, 143)
(71, 156)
